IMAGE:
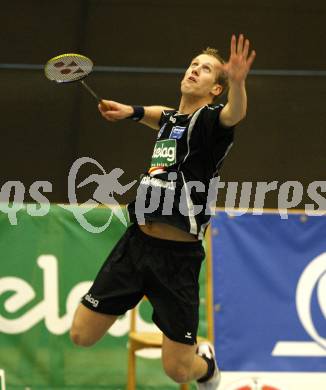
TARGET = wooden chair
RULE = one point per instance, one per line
(142, 340)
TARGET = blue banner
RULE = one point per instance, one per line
(270, 292)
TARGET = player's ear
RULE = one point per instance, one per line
(217, 89)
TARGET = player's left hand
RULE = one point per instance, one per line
(239, 64)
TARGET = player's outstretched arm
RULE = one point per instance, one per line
(152, 116)
(237, 69)
(114, 111)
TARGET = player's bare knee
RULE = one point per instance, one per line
(177, 372)
(78, 338)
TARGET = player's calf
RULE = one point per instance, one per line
(178, 373)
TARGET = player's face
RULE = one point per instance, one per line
(200, 77)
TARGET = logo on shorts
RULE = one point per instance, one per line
(91, 300)
(188, 335)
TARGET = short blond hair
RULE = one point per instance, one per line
(222, 78)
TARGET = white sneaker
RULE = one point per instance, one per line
(206, 349)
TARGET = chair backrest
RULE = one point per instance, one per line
(133, 313)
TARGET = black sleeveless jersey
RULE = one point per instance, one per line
(188, 153)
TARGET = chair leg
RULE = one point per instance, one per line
(3, 381)
(184, 386)
(131, 369)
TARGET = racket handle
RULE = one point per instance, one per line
(90, 90)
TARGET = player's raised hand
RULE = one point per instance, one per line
(114, 111)
(240, 60)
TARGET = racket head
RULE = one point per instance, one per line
(66, 68)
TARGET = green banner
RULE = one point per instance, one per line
(46, 264)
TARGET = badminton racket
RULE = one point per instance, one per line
(67, 68)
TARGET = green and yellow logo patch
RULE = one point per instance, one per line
(165, 153)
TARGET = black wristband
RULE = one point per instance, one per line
(138, 113)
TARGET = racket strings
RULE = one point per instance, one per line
(68, 67)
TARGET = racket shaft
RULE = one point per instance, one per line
(89, 89)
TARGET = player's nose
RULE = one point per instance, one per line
(195, 71)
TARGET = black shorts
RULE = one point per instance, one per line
(165, 271)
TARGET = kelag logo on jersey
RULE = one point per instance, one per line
(164, 154)
(273, 305)
(176, 132)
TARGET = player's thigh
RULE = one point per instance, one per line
(89, 326)
(177, 355)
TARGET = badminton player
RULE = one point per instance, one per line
(160, 254)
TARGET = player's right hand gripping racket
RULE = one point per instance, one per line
(67, 68)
